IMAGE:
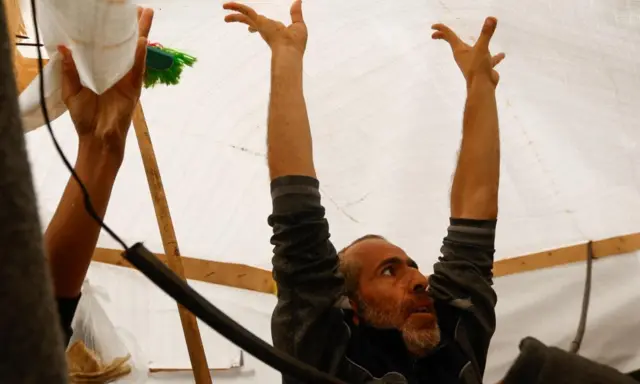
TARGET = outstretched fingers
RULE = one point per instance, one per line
(296, 12)
(245, 15)
(240, 18)
(442, 32)
(488, 28)
(241, 8)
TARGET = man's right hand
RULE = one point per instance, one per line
(473, 60)
(276, 34)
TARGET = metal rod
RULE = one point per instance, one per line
(582, 324)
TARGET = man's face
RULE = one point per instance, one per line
(392, 293)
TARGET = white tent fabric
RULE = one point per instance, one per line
(386, 105)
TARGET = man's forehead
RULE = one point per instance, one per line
(373, 250)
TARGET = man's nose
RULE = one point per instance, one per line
(420, 283)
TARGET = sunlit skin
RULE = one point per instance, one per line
(392, 293)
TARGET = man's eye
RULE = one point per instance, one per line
(388, 271)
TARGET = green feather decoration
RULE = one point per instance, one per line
(165, 65)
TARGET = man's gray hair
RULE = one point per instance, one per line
(351, 269)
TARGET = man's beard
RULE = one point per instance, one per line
(418, 338)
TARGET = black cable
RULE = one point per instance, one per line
(154, 269)
(576, 343)
(147, 263)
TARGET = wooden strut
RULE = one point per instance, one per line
(170, 243)
(260, 280)
(214, 272)
(186, 370)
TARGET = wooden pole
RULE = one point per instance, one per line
(170, 244)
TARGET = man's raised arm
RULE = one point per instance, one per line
(463, 275)
(305, 323)
(474, 193)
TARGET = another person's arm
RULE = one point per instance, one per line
(540, 364)
(463, 275)
(102, 122)
(72, 234)
(305, 322)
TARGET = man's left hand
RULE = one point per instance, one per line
(106, 118)
(473, 61)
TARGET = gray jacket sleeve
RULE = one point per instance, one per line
(305, 322)
(463, 278)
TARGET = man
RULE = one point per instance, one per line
(401, 326)
(102, 122)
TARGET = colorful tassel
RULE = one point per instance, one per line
(165, 65)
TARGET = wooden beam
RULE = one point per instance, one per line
(214, 272)
(566, 255)
(170, 243)
(26, 69)
(260, 280)
(186, 370)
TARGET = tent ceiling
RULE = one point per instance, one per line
(386, 104)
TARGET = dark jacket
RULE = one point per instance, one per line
(539, 364)
(308, 324)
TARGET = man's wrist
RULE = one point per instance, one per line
(287, 63)
(286, 53)
(481, 82)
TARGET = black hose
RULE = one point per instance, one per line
(577, 342)
(163, 277)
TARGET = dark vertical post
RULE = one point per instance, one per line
(31, 349)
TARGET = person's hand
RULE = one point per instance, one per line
(106, 118)
(473, 60)
(276, 34)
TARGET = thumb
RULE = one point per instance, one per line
(296, 12)
(140, 63)
(495, 77)
(488, 29)
(71, 84)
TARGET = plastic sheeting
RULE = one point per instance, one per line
(102, 36)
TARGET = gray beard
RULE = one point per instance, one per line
(421, 341)
(417, 341)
